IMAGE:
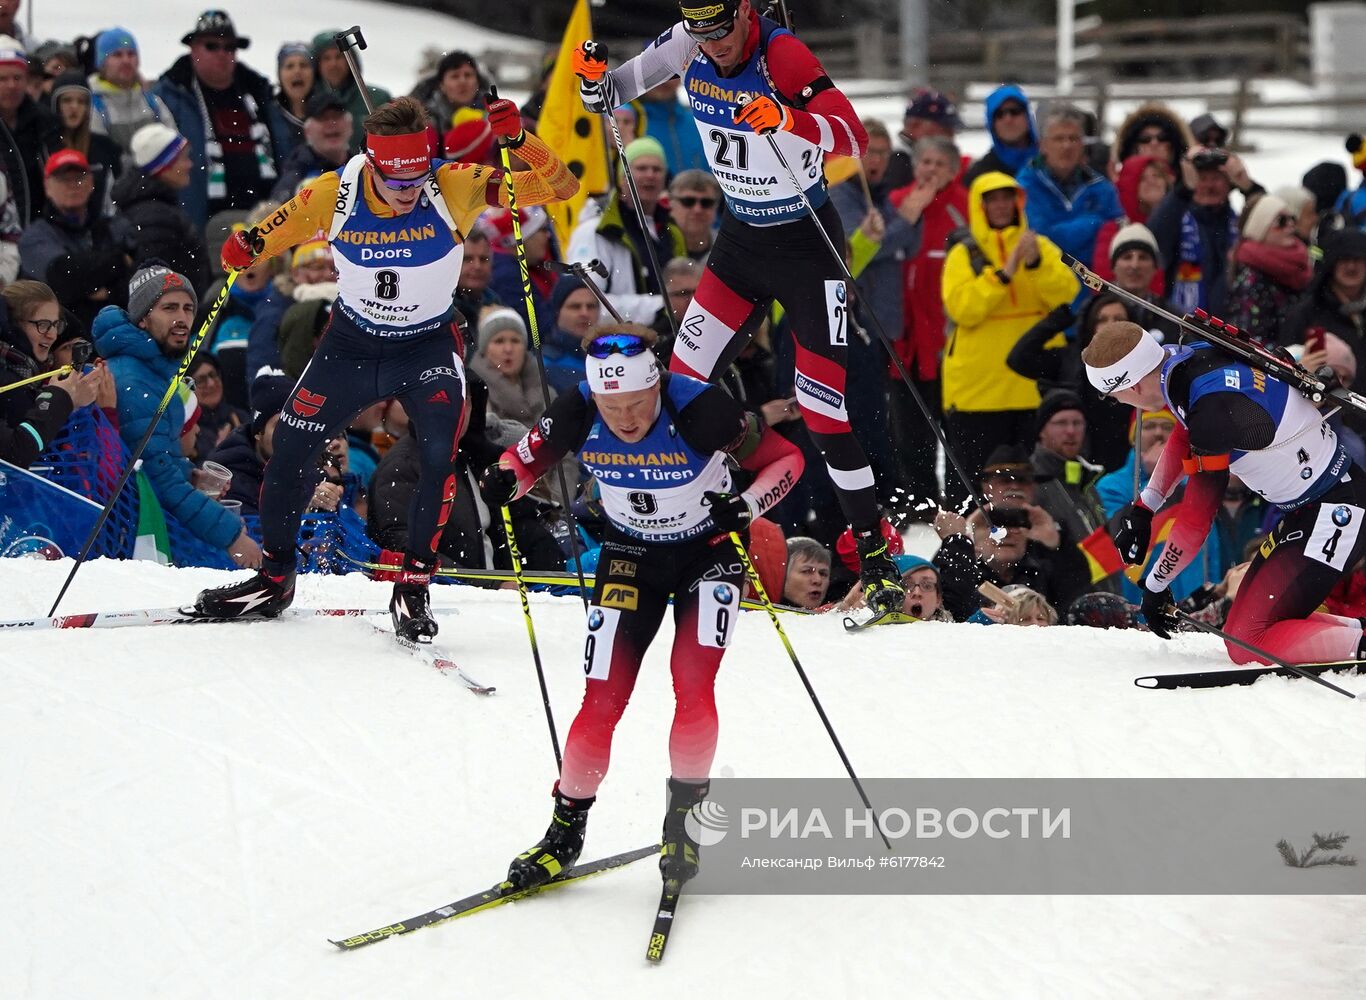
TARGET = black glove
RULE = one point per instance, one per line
(1328, 375)
(498, 485)
(598, 96)
(1132, 530)
(729, 511)
(1159, 610)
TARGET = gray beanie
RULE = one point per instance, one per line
(148, 286)
(495, 322)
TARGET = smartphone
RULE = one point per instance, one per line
(1315, 339)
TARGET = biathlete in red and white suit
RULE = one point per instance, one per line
(768, 247)
(671, 457)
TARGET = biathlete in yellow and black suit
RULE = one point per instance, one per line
(396, 222)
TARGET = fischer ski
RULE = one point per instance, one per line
(885, 618)
(173, 616)
(433, 658)
(496, 896)
(664, 920)
(1241, 676)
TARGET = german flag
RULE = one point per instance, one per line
(1101, 555)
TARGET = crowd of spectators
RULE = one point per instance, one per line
(118, 189)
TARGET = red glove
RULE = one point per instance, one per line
(506, 121)
(241, 249)
(589, 66)
(765, 115)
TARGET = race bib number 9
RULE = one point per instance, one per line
(718, 604)
(597, 647)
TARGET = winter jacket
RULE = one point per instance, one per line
(1125, 144)
(1000, 157)
(506, 283)
(78, 258)
(238, 455)
(355, 100)
(990, 316)
(1127, 185)
(880, 281)
(141, 373)
(10, 234)
(211, 422)
(1070, 214)
(671, 122)
(31, 416)
(961, 572)
(162, 229)
(922, 305)
(1066, 489)
(1194, 241)
(177, 89)
(1320, 307)
(119, 112)
(1267, 280)
(612, 239)
(24, 150)
(303, 322)
(302, 164)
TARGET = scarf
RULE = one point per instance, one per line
(1190, 288)
(213, 149)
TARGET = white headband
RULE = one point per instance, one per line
(618, 373)
(1125, 373)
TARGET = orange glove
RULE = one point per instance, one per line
(590, 61)
(241, 249)
(764, 115)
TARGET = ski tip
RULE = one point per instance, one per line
(1151, 683)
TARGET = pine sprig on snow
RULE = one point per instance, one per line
(1311, 857)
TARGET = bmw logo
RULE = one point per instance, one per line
(1342, 516)
(1306, 473)
(840, 293)
(595, 620)
(723, 593)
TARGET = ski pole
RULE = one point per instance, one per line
(37, 378)
(534, 326)
(580, 271)
(598, 51)
(773, 617)
(133, 459)
(953, 459)
(531, 634)
(352, 38)
(1138, 458)
(1215, 630)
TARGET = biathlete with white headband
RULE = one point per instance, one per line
(397, 223)
(1233, 418)
(679, 464)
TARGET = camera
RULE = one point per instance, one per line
(80, 352)
(1008, 517)
(1209, 159)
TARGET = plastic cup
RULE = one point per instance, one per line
(214, 479)
(233, 505)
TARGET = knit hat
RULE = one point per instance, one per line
(1134, 236)
(932, 106)
(532, 219)
(269, 393)
(1206, 123)
(1008, 461)
(292, 49)
(565, 287)
(1342, 244)
(113, 40)
(72, 80)
(646, 146)
(1261, 215)
(1327, 181)
(313, 250)
(149, 284)
(1295, 197)
(155, 147)
(495, 322)
(470, 138)
(1355, 145)
(53, 49)
(909, 564)
(12, 53)
(1057, 401)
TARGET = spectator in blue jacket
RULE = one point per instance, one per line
(237, 131)
(143, 347)
(1014, 138)
(576, 311)
(672, 124)
(1067, 201)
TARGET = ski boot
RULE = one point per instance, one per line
(411, 605)
(558, 849)
(882, 589)
(679, 855)
(264, 595)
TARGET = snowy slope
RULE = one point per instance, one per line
(192, 812)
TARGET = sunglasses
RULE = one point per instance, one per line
(1283, 221)
(719, 32)
(616, 343)
(1148, 137)
(1009, 111)
(393, 184)
(45, 326)
(220, 46)
(690, 201)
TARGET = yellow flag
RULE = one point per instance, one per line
(573, 133)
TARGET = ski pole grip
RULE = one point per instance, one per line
(352, 37)
(597, 51)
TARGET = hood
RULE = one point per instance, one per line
(1151, 113)
(994, 180)
(1127, 185)
(1013, 157)
(11, 334)
(115, 336)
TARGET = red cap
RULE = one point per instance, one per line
(65, 159)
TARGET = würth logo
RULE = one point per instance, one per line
(307, 404)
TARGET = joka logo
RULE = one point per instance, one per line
(723, 593)
(307, 404)
(621, 567)
(439, 397)
(707, 823)
(619, 595)
(1342, 516)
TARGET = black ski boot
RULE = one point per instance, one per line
(882, 589)
(411, 604)
(558, 849)
(264, 595)
(679, 854)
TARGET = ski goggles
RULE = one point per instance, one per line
(393, 183)
(616, 343)
(709, 34)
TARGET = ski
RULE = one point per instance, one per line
(173, 616)
(1241, 676)
(885, 618)
(433, 658)
(496, 896)
(664, 920)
